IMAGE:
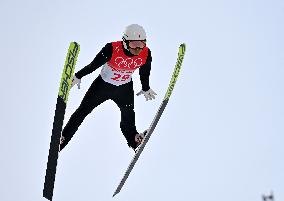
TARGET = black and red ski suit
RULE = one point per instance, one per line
(100, 91)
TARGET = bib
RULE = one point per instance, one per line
(120, 68)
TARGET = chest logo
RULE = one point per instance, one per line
(128, 63)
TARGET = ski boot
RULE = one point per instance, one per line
(139, 137)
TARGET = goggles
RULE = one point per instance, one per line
(137, 44)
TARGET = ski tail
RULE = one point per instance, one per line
(65, 85)
(154, 123)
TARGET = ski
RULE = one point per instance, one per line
(156, 118)
(65, 85)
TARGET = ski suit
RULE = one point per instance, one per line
(114, 83)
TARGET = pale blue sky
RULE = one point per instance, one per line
(220, 137)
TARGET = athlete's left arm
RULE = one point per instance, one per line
(144, 72)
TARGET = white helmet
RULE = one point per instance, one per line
(133, 32)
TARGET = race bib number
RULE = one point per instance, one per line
(120, 77)
(115, 76)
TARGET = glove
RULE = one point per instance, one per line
(149, 95)
(75, 81)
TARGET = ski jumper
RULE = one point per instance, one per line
(114, 83)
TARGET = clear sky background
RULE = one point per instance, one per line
(220, 137)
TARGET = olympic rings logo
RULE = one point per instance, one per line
(128, 62)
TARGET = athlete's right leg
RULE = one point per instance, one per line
(94, 97)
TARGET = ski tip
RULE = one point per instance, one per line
(74, 42)
(183, 46)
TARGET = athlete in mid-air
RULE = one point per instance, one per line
(119, 60)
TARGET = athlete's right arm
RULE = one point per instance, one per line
(101, 58)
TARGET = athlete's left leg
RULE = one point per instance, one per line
(124, 98)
